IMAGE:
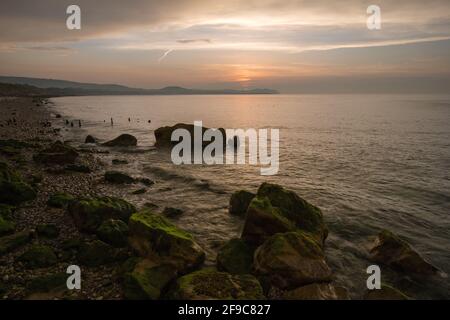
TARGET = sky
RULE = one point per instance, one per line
(293, 46)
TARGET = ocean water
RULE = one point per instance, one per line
(368, 161)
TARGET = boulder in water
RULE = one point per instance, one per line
(90, 139)
(118, 177)
(235, 257)
(124, 140)
(239, 202)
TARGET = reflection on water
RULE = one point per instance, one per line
(368, 162)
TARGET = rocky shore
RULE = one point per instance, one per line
(53, 214)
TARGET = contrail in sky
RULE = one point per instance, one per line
(164, 55)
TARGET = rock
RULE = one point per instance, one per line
(6, 211)
(150, 205)
(147, 280)
(152, 235)
(118, 177)
(289, 260)
(57, 153)
(89, 213)
(385, 293)
(139, 191)
(317, 291)
(235, 257)
(13, 241)
(119, 161)
(114, 232)
(13, 189)
(60, 200)
(96, 253)
(172, 212)
(263, 221)
(38, 256)
(90, 139)
(390, 250)
(78, 168)
(47, 230)
(47, 283)
(305, 216)
(145, 181)
(6, 226)
(211, 284)
(239, 202)
(124, 140)
(163, 135)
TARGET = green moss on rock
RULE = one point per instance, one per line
(96, 253)
(47, 283)
(13, 189)
(239, 202)
(6, 226)
(114, 232)
(235, 257)
(38, 256)
(13, 241)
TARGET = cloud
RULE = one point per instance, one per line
(194, 40)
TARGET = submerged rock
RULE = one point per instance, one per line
(114, 232)
(317, 291)
(90, 139)
(124, 140)
(38, 256)
(118, 177)
(239, 202)
(211, 284)
(13, 189)
(13, 241)
(152, 235)
(235, 257)
(57, 153)
(89, 213)
(147, 280)
(289, 260)
(385, 293)
(390, 250)
(60, 200)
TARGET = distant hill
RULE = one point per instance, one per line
(63, 88)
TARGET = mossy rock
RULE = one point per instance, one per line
(118, 177)
(211, 284)
(6, 211)
(263, 220)
(385, 293)
(289, 260)
(235, 257)
(152, 235)
(300, 212)
(13, 241)
(47, 283)
(49, 230)
(96, 253)
(38, 256)
(13, 189)
(57, 153)
(391, 250)
(147, 280)
(60, 200)
(317, 291)
(6, 226)
(114, 232)
(239, 202)
(89, 213)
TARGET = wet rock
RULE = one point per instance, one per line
(163, 135)
(210, 284)
(60, 200)
(13, 189)
(49, 230)
(90, 139)
(152, 235)
(235, 257)
(147, 280)
(89, 213)
(13, 241)
(57, 153)
(113, 232)
(96, 253)
(78, 168)
(118, 177)
(124, 140)
(390, 250)
(239, 202)
(47, 283)
(119, 161)
(289, 260)
(172, 212)
(317, 291)
(146, 181)
(385, 293)
(38, 256)
(276, 209)
(139, 191)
